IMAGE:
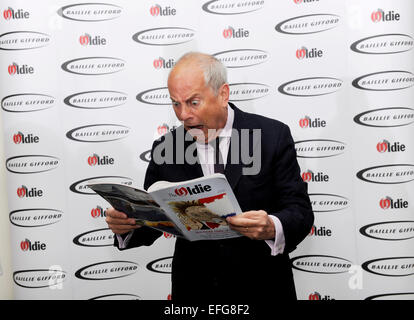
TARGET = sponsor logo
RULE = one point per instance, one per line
(98, 133)
(390, 267)
(385, 81)
(307, 122)
(157, 10)
(304, 1)
(99, 99)
(39, 278)
(384, 44)
(168, 235)
(28, 218)
(386, 146)
(27, 102)
(15, 14)
(156, 96)
(248, 91)
(81, 186)
(24, 192)
(305, 53)
(317, 295)
(164, 36)
(395, 230)
(198, 188)
(90, 12)
(98, 212)
(32, 164)
(96, 160)
(15, 69)
(321, 264)
(311, 87)
(230, 33)
(20, 138)
(386, 117)
(27, 245)
(162, 265)
(381, 16)
(312, 23)
(107, 270)
(389, 203)
(310, 176)
(94, 66)
(320, 232)
(319, 148)
(23, 40)
(161, 63)
(145, 156)
(387, 174)
(242, 57)
(117, 296)
(88, 40)
(393, 296)
(230, 7)
(325, 202)
(95, 238)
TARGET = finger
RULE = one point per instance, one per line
(240, 221)
(120, 221)
(123, 229)
(113, 213)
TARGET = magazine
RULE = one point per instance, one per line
(194, 209)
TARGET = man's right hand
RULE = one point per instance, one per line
(119, 222)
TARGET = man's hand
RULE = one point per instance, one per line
(119, 222)
(256, 225)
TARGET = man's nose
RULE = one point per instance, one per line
(184, 113)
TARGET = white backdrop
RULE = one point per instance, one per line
(83, 95)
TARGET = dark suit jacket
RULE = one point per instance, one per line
(241, 268)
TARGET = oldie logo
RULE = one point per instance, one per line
(88, 40)
(316, 295)
(305, 53)
(384, 44)
(23, 40)
(162, 63)
(230, 33)
(382, 16)
(18, 69)
(395, 230)
(27, 102)
(21, 138)
(385, 81)
(156, 96)
(98, 133)
(248, 91)
(230, 7)
(99, 99)
(386, 117)
(32, 164)
(387, 146)
(308, 122)
(162, 265)
(310, 176)
(81, 186)
(90, 12)
(319, 148)
(390, 203)
(390, 267)
(39, 278)
(242, 57)
(99, 160)
(321, 264)
(320, 232)
(25, 192)
(326, 202)
(27, 245)
(311, 87)
(388, 174)
(95, 238)
(15, 14)
(28, 218)
(94, 66)
(107, 270)
(312, 23)
(164, 36)
(157, 10)
(191, 191)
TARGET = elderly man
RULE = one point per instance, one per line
(277, 213)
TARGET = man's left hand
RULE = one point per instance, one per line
(256, 225)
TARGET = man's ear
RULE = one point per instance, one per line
(224, 94)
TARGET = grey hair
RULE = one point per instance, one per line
(215, 73)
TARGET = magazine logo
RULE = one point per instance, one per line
(230, 33)
(164, 36)
(168, 235)
(304, 53)
(162, 265)
(317, 295)
(107, 270)
(157, 96)
(98, 212)
(12, 14)
(15, 69)
(325, 202)
(390, 267)
(24, 192)
(27, 245)
(81, 186)
(230, 7)
(29, 218)
(319, 148)
(307, 122)
(95, 238)
(389, 203)
(99, 99)
(310, 176)
(242, 57)
(157, 10)
(311, 87)
(161, 63)
(312, 23)
(98, 133)
(96, 160)
(386, 146)
(39, 278)
(27, 102)
(386, 117)
(385, 81)
(387, 174)
(117, 296)
(320, 232)
(145, 156)
(321, 264)
(90, 12)
(31, 164)
(20, 138)
(384, 44)
(88, 40)
(394, 231)
(23, 40)
(184, 191)
(94, 66)
(248, 91)
(381, 16)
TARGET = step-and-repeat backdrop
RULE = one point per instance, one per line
(83, 95)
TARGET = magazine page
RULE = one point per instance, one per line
(199, 207)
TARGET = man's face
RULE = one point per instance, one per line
(196, 104)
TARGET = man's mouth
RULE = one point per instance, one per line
(200, 126)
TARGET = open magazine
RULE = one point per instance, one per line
(194, 209)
